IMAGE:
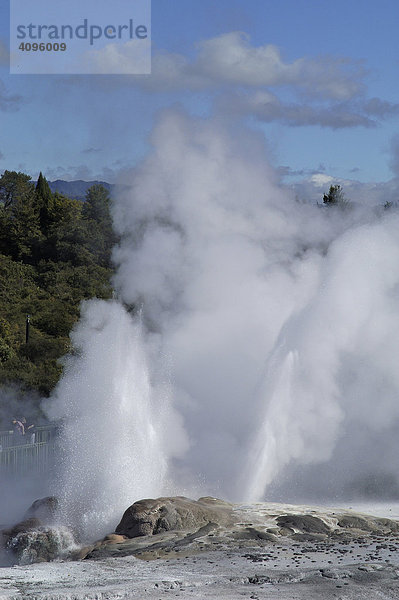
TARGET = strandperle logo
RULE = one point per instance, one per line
(84, 31)
(80, 37)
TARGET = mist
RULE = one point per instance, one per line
(17, 493)
(16, 402)
(251, 350)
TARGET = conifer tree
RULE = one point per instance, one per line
(44, 198)
(336, 197)
(42, 188)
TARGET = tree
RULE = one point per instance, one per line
(96, 205)
(6, 341)
(335, 197)
(44, 198)
(14, 186)
(47, 267)
(20, 234)
(42, 188)
(100, 234)
(25, 233)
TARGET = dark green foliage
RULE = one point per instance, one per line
(96, 212)
(25, 234)
(43, 189)
(54, 252)
(14, 186)
(44, 202)
(20, 234)
(6, 341)
(96, 206)
(336, 197)
(393, 205)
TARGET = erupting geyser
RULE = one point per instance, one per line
(268, 335)
(112, 443)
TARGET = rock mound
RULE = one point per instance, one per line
(36, 538)
(150, 517)
(303, 523)
(44, 509)
(172, 526)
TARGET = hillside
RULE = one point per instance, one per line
(76, 189)
(54, 253)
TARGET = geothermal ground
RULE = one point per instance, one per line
(294, 572)
(269, 551)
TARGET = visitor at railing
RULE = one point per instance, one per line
(32, 435)
(23, 433)
(29, 432)
(19, 431)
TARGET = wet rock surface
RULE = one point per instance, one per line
(37, 538)
(42, 544)
(23, 526)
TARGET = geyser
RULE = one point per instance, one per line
(269, 335)
(112, 445)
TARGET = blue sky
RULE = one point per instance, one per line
(318, 78)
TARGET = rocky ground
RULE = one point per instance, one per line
(255, 551)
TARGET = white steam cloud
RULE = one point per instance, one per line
(269, 337)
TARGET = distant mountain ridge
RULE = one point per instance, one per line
(76, 189)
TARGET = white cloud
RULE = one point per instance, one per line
(230, 59)
(321, 180)
(246, 80)
(131, 58)
(267, 107)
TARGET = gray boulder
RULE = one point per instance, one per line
(44, 509)
(305, 523)
(149, 517)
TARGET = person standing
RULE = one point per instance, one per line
(19, 431)
(29, 431)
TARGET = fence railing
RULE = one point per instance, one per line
(18, 460)
(22, 454)
(45, 433)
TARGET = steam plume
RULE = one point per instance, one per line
(269, 336)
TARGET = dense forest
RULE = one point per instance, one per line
(54, 252)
